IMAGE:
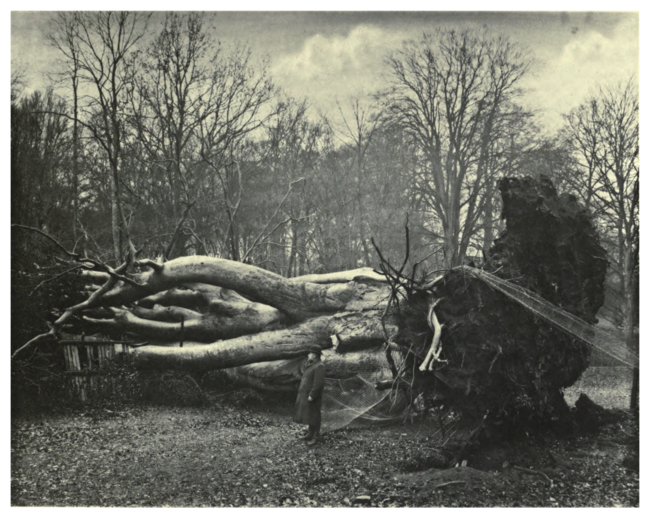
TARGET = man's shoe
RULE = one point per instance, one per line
(305, 437)
(313, 441)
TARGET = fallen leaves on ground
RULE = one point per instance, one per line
(228, 455)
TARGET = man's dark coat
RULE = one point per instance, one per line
(311, 385)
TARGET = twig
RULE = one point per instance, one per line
(533, 472)
(53, 278)
(74, 310)
(51, 333)
(383, 261)
(448, 483)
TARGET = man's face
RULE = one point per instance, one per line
(311, 358)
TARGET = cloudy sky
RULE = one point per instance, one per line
(330, 56)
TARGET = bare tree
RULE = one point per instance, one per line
(604, 136)
(63, 36)
(99, 46)
(292, 146)
(449, 90)
(356, 130)
(17, 80)
(172, 97)
(40, 154)
(241, 91)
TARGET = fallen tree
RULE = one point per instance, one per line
(280, 319)
(452, 340)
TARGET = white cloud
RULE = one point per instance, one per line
(331, 67)
(335, 67)
(590, 59)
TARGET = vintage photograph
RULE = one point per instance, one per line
(350, 259)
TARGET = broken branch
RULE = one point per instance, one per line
(534, 473)
(449, 483)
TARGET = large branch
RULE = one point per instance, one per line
(261, 347)
(194, 296)
(285, 375)
(299, 300)
(365, 274)
(166, 314)
(234, 320)
(267, 346)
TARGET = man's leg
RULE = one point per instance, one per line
(313, 431)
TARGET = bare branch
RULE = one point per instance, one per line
(97, 265)
(177, 230)
(157, 267)
(259, 236)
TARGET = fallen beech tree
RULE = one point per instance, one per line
(453, 339)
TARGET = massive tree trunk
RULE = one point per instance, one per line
(296, 299)
(202, 314)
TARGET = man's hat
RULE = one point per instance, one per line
(314, 349)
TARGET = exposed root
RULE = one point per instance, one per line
(436, 347)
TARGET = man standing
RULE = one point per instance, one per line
(310, 396)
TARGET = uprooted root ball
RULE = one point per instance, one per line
(497, 362)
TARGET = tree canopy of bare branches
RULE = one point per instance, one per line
(603, 134)
(454, 93)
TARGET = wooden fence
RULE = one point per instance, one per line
(87, 361)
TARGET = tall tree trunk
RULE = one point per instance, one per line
(293, 251)
(234, 241)
(75, 157)
(362, 236)
(488, 233)
(115, 217)
(453, 256)
(302, 266)
(631, 316)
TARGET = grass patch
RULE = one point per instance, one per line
(607, 386)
